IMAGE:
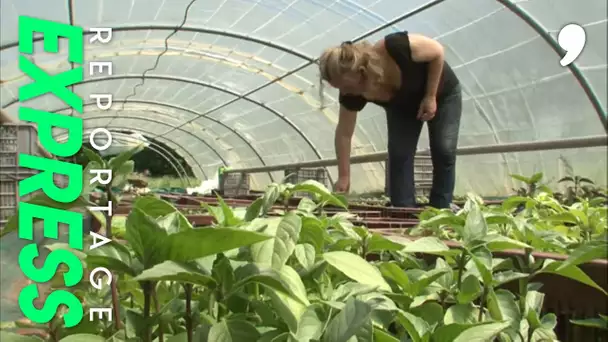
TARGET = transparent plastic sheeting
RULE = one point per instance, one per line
(515, 90)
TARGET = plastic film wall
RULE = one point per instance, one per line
(214, 94)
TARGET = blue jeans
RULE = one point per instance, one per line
(403, 134)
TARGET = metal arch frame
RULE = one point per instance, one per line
(237, 96)
(515, 9)
(165, 155)
(184, 80)
(574, 70)
(220, 89)
(148, 120)
(222, 33)
(308, 63)
(155, 147)
(179, 146)
(161, 152)
(151, 133)
(176, 151)
(230, 92)
(198, 115)
(168, 105)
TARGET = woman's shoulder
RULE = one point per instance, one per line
(400, 37)
(397, 44)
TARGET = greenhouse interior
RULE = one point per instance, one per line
(228, 125)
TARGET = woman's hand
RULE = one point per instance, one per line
(428, 108)
(342, 185)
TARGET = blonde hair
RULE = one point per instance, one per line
(350, 57)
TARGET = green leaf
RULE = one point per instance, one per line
(572, 272)
(513, 202)
(233, 331)
(315, 188)
(169, 223)
(183, 337)
(586, 253)
(471, 290)
(496, 243)
(230, 218)
(178, 272)
(378, 243)
(493, 218)
(271, 195)
(428, 245)
(415, 326)
(82, 338)
(482, 258)
(307, 205)
(597, 323)
(461, 314)
(313, 232)
(356, 268)
(287, 307)
(273, 279)
(391, 270)
(87, 176)
(546, 330)
(475, 227)
(6, 336)
(383, 336)
(342, 223)
(157, 208)
(113, 256)
(254, 210)
(425, 279)
(92, 156)
(294, 283)
(198, 243)
(310, 327)
(503, 307)
(274, 336)
(481, 332)
(348, 322)
(443, 219)
(153, 245)
(566, 217)
(121, 175)
(305, 254)
(215, 212)
(145, 237)
(116, 162)
(430, 312)
(276, 251)
(536, 178)
(501, 278)
(351, 289)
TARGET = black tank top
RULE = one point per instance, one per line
(413, 79)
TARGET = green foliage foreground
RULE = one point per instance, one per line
(304, 276)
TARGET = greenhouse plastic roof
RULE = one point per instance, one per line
(236, 84)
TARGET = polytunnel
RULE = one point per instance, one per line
(235, 82)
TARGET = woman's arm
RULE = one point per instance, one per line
(344, 134)
(425, 49)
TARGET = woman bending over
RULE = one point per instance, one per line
(407, 75)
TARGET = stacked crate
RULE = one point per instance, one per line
(234, 184)
(423, 175)
(16, 139)
(299, 175)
